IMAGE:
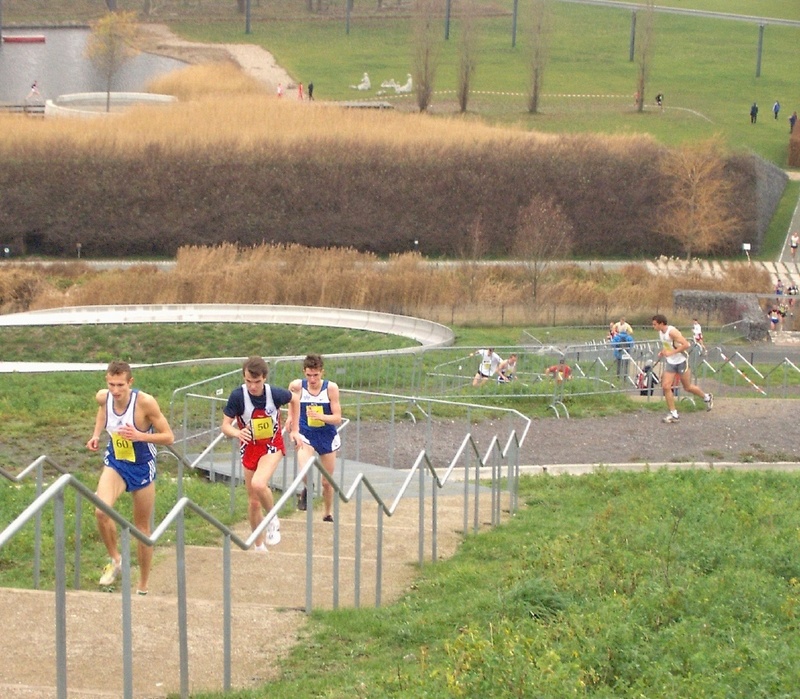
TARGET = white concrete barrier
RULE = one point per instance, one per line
(425, 332)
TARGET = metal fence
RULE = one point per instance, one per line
(594, 368)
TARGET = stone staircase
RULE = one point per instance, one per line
(787, 272)
(268, 597)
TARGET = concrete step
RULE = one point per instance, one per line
(268, 594)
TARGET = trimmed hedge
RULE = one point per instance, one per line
(344, 194)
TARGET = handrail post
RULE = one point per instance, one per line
(183, 632)
(37, 528)
(127, 626)
(476, 511)
(467, 464)
(309, 542)
(335, 551)
(61, 598)
(357, 552)
(76, 580)
(434, 520)
(421, 515)
(379, 558)
(227, 635)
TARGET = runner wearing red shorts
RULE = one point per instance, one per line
(253, 416)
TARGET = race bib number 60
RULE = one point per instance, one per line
(123, 448)
(311, 420)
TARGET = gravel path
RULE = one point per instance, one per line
(254, 60)
(737, 430)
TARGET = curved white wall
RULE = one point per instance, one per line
(425, 332)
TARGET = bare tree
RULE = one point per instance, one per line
(541, 28)
(697, 208)
(645, 50)
(467, 53)
(111, 44)
(544, 233)
(426, 46)
(473, 250)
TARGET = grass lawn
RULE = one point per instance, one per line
(706, 68)
(659, 585)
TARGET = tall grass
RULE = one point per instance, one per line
(223, 105)
(460, 293)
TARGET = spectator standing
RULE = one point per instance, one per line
(776, 108)
(622, 326)
(310, 92)
(792, 121)
(794, 241)
(753, 113)
(622, 342)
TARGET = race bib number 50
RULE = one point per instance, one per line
(262, 428)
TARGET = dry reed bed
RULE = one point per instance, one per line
(221, 104)
(342, 278)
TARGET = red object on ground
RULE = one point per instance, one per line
(23, 38)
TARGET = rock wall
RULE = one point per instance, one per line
(729, 307)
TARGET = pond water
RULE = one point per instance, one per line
(60, 67)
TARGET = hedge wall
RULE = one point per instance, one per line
(355, 195)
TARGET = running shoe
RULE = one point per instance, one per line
(670, 418)
(327, 518)
(110, 574)
(710, 402)
(274, 532)
(260, 548)
(302, 500)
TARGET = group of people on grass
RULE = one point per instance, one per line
(136, 427)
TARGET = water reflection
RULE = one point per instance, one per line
(59, 67)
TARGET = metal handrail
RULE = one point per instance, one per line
(55, 494)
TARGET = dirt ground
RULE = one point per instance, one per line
(158, 39)
(736, 430)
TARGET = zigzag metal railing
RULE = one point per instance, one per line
(55, 493)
